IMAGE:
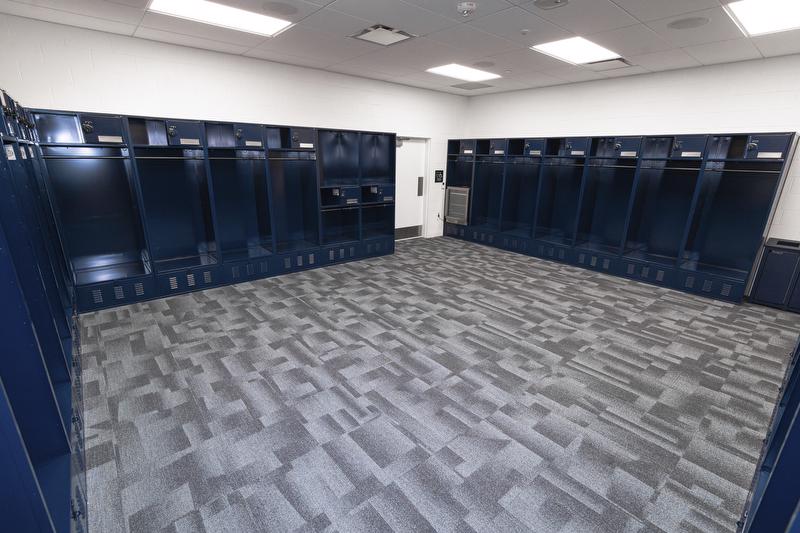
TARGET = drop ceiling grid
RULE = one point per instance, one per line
(637, 29)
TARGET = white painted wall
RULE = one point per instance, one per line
(48, 65)
(752, 96)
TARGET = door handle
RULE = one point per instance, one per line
(420, 185)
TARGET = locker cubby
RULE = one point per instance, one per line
(177, 207)
(604, 201)
(340, 196)
(377, 158)
(520, 190)
(293, 176)
(241, 202)
(98, 212)
(557, 204)
(377, 221)
(733, 203)
(487, 191)
(340, 225)
(661, 206)
(338, 158)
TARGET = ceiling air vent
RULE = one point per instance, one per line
(471, 86)
(383, 35)
(609, 64)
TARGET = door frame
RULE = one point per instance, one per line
(425, 181)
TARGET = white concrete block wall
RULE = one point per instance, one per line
(752, 96)
(62, 67)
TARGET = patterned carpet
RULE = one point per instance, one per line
(450, 387)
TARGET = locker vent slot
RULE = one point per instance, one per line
(299, 260)
(561, 254)
(207, 277)
(689, 283)
(331, 255)
(593, 261)
(491, 238)
(250, 270)
(581, 258)
(173, 283)
(461, 232)
(369, 248)
(287, 263)
(660, 275)
(606, 264)
(707, 285)
(119, 292)
(97, 296)
(378, 246)
(645, 272)
(726, 289)
(475, 235)
(514, 243)
(352, 251)
(138, 288)
(311, 259)
(631, 268)
(190, 280)
(235, 272)
(264, 267)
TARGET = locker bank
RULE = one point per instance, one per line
(399, 265)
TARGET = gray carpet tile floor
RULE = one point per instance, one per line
(449, 387)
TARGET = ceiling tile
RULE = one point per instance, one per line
(665, 60)
(574, 73)
(631, 40)
(724, 51)
(472, 42)
(645, 10)
(333, 22)
(92, 8)
(166, 23)
(371, 64)
(511, 23)
(282, 57)
(523, 60)
(189, 40)
(629, 71)
(448, 8)
(291, 10)
(321, 46)
(585, 16)
(418, 54)
(538, 79)
(64, 17)
(719, 28)
(779, 44)
(395, 14)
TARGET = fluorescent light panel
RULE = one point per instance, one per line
(460, 72)
(220, 15)
(758, 17)
(576, 50)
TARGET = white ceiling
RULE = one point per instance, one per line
(499, 33)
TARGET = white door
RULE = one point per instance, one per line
(409, 204)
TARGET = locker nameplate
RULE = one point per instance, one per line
(109, 138)
(306, 145)
(535, 152)
(10, 154)
(388, 198)
(252, 143)
(499, 152)
(193, 142)
(352, 201)
(578, 152)
(625, 153)
(468, 152)
(769, 155)
(23, 153)
(691, 154)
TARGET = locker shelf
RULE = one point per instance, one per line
(254, 251)
(188, 261)
(108, 267)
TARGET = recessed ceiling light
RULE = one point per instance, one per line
(383, 35)
(576, 50)
(220, 15)
(460, 72)
(757, 17)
